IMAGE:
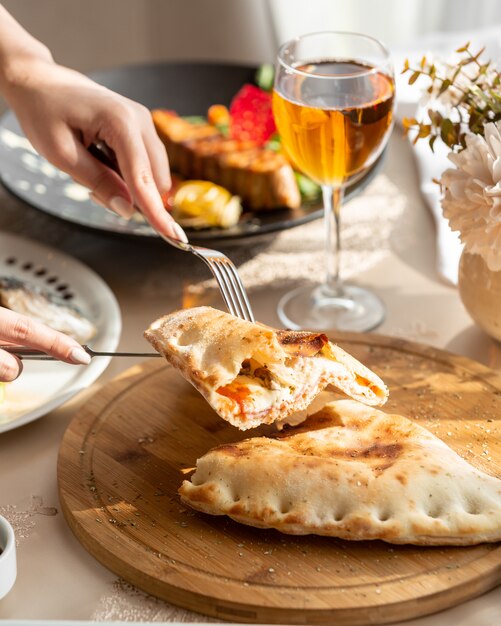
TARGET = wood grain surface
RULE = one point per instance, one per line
(126, 453)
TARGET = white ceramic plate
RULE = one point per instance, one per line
(45, 385)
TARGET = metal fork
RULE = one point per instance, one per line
(226, 275)
(222, 268)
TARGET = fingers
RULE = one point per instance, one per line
(10, 367)
(107, 187)
(157, 155)
(21, 330)
(141, 176)
(127, 129)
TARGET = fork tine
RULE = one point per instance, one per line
(228, 275)
(222, 283)
(244, 304)
(225, 278)
(228, 280)
(225, 272)
(249, 315)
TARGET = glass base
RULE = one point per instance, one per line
(311, 308)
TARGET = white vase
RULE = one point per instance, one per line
(480, 291)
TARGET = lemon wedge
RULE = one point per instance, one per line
(202, 204)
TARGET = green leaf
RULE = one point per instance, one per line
(456, 73)
(414, 77)
(424, 131)
(435, 117)
(495, 94)
(444, 86)
(274, 143)
(195, 119)
(409, 122)
(224, 129)
(449, 132)
(477, 101)
(265, 76)
(479, 54)
(308, 189)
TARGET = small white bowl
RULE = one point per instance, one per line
(8, 566)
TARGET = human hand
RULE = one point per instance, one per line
(63, 112)
(23, 331)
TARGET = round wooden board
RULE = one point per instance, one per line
(126, 453)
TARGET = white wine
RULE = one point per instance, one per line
(333, 129)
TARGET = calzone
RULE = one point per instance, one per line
(353, 472)
(252, 374)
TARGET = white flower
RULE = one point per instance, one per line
(472, 199)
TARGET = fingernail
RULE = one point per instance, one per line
(181, 235)
(122, 207)
(20, 366)
(78, 355)
(11, 374)
(95, 199)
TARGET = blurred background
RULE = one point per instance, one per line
(94, 34)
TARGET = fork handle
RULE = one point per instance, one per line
(30, 354)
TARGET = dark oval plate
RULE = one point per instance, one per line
(189, 89)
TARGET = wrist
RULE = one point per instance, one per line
(18, 65)
(17, 50)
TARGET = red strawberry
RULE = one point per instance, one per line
(251, 116)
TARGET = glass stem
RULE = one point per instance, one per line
(333, 198)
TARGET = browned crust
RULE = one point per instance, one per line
(383, 481)
(298, 343)
(204, 322)
(352, 528)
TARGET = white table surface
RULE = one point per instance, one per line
(389, 247)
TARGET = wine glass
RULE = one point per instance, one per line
(333, 106)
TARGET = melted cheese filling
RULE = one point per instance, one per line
(282, 385)
(259, 388)
(253, 397)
